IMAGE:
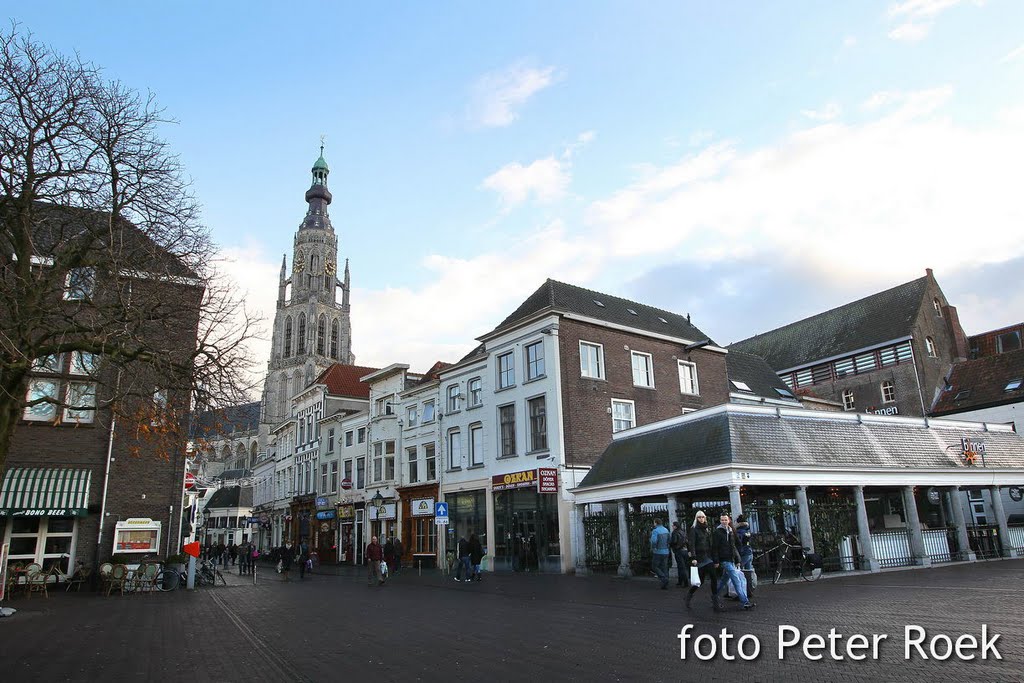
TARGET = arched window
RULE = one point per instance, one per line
(296, 388)
(321, 334)
(225, 454)
(288, 337)
(282, 397)
(253, 452)
(300, 342)
(929, 345)
(938, 306)
(334, 340)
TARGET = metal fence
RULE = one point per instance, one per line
(601, 539)
(1015, 537)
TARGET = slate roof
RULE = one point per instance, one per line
(241, 418)
(230, 497)
(566, 298)
(748, 435)
(755, 372)
(343, 380)
(985, 379)
(867, 322)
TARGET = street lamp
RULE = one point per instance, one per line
(377, 499)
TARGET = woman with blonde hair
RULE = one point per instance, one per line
(700, 557)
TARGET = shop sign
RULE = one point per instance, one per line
(42, 512)
(346, 512)
(548, 480)
(971, 449)
(321, 502)
(890, 410)
(516, 480)
(254, 521)
(1016, 494)
(325, 514)
(934, 496)
(422, 507)
(385, 511)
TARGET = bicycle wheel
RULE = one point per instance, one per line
(778, 573)
(809, 573)
(167, 580)
(221, 577)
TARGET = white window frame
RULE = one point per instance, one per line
(411, 416)
(890, 395)
(585, 370)
(615, 418)
(929, 345)
(511, 370)
(429, 462)
(475, 389)
(79, 284)
(849, 402)
(454, 438)
(633, 356)
(476, 445)
(86, 416)
(35, 413)
(537, 369)
(683, 388)
(429, 412)
(412, 459)
(452, 394)
(543, 418)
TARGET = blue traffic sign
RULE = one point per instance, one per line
(440, 509)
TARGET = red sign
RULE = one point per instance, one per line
(192, 549)
(346, 483)
(516, 480)
(190, 481)
(548, 480)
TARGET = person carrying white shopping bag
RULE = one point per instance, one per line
(700, 559)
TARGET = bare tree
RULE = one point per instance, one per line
(103, 258)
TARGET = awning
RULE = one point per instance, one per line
(35, 492)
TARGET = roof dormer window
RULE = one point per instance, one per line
(741, 386)
(598, 303)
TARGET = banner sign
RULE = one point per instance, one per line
(516, 480)
(548, 480)
(346, 512)
(325, 514)
(422, 507)
(322, 502)
(385, 511)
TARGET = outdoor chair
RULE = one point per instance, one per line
(35, 580)
(145, 577)
(105, 569)
(118, 579)
(14, 574)
(81, 575)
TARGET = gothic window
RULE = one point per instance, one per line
(288, 337)
(300, 343)
(334, 339)
(314, 263)
(296, 386)
(321, 334)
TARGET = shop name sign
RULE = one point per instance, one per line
(971, 449)
(548, 480)
(385, 511)
(422, 507)
(516, 480)
(42, 512)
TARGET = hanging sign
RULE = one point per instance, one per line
(422, 507)
(385, 511)
(971, 449)
(346, 511)
(548, 480)
(1016, 494)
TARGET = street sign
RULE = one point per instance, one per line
(441, 521)
(441, 510)
(190, 481)
(346, 483)
(192, 549)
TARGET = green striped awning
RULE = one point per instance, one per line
(37, 491)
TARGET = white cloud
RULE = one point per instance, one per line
(546, 180)
(911, 32)
(918, 16)
(255, 275)
(498, 96)
(827, 113)
(1012, 55)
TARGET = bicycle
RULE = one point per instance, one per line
(207, 575)
(808, 568)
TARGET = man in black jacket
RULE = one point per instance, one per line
(677, 542)
(726, 556)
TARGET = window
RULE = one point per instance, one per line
(865, 362)
(346, 472)
(334, 340)
(307, 484)
(430, 461)
(537, 409)
(740, 386)
(506, 370)
(410, 416)
(300, 342)
(79, 283)
(929, 345)
(348, 438)
(475, 387)
(476, 445)
(888, 392)
(360, 473)
(534, 360)
(288, 337)
(454, 449)
(383, 461)
(643, 369)
(385, 405)
(83, 363)
(848, 403)
(507, 431)
(81, 402)
(591, 360)
(321, 334)
(414, 465)
(452, 405)
(623, 416)
(41, 390)
(688, 378)
(323, 478)
(361, 435)
(937, 306)
(330, 440)
(302, 433)
(334, 477)
(1013, 385)
(1008, 341)
(428, 411)
(49, 363)
(784, 393)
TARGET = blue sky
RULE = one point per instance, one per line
(750, 164)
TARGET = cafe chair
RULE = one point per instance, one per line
(35, 580)
(81, 575)
(118, 579)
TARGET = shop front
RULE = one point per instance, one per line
(383, 520)
(526, 521)
(325, 531)
(467, 515)
(419, 532)
(346, 535)
(43, 509)
(303, 511)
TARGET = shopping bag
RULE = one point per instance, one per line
(280, 566)
(694, 577)
(383, 569)
(753, 578)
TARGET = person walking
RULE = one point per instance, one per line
(399, 551)
(463, 552)
(374, 556)
(700, 557)
(389, 553)
(726, 554)
(233, 551)
(660, 552)
(743, 538)
(287, 555)
(476, 556)
(303, 553)
(680, 551)
(243, 557)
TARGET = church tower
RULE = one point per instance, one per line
(312, 330)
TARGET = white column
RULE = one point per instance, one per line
(1000, 512)
(734, 501)
(804, 515)
(624, 569)
(577, 513)
(917, 550)
(673, 516)
(962, 539)
(864, 531)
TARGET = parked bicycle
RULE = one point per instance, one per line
(802, 563)
(206, 575)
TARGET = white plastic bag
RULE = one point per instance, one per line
(383, 569)
(694, 577)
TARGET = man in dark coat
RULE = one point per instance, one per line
(726, 555)
(287, 555)
(374, 556)
(463, 553)
(680, 550)
(399, 551)
(476, 555)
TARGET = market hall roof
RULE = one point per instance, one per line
(861, 324)
(734, 435)
(559, 297)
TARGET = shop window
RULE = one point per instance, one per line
(538, 423)
(48, 541)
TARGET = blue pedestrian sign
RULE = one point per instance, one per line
(440, 509)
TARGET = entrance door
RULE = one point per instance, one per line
(345, 550)
(358, 540)
(526, 526)
(977, 503)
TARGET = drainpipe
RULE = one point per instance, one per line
(106, 476)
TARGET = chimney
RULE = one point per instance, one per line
(928, 272)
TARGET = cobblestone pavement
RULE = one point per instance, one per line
(508, 627)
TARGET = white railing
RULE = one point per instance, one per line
(1015, 537)
(936, 545)
(892, 548)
